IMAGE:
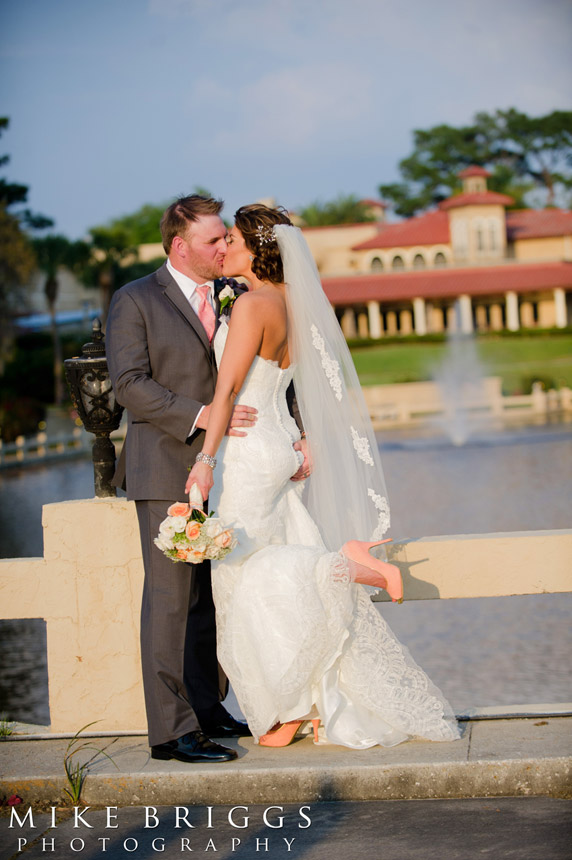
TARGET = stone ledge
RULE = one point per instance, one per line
(493, 759)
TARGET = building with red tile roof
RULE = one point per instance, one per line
(469, 264)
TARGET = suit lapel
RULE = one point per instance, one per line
(174, 294)
(217, 289)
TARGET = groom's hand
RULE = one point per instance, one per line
(242, 416)
(306, 468)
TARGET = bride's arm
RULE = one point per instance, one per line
(242, 345)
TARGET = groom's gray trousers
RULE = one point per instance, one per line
(176, 596)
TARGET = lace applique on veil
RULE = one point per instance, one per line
(330, 365)
(382, 506)
(362, 447)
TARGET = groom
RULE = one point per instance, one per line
(159, 349)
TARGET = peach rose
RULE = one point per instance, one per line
(195, 555)
(193, 530)
(181, 553)
(179, 509)
(223, 539)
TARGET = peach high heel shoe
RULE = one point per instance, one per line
(381, 574)
(283, 734)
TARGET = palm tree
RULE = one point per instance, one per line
(110, 247)
(52, 253)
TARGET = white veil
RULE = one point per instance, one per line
(346, 491)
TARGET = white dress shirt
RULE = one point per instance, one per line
(189, 289)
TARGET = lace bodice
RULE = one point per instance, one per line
(275, 431)
(265, 385)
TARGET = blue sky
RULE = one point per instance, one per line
(115, 103)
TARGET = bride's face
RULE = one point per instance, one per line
(237, 260)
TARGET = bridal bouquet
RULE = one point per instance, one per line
(188, 534)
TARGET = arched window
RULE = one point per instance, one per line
(493, 234)
(419, 261)
(479, 227)
(397, 262)
(440, 260)
(460, 238)
(376, 265)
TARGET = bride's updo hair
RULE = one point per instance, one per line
(255, 222)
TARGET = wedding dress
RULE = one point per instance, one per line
(295, 636)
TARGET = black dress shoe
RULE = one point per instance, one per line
(192, 747)
(225, 726)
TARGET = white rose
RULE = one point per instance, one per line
(163, 543)
(166, 529)
(212, 551)
(178, 523)
(212, 526)
(226, 293)
(199, 547)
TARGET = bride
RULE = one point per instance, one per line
(297, 633)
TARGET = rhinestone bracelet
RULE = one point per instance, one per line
(205, 458)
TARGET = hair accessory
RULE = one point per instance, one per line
(265, 235)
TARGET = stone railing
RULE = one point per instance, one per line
(416, 403)
(88, 587)
(41, 447)
(400, 405)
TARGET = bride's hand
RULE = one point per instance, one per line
(202, 475)
(306, 468)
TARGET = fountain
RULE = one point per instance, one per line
(460, 378)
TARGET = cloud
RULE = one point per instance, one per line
(288, 109)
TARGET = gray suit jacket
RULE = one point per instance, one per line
(163, 370)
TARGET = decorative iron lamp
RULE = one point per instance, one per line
(92, 395)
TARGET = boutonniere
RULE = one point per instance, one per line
(227, 297)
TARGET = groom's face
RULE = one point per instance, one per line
(203, 248)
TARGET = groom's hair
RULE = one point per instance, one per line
(183, 212)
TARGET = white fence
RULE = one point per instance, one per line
(33, 449)
(417, 403)
(411, 403)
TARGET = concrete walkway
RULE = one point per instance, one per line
(494, 758)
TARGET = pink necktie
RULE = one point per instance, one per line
(206, 313)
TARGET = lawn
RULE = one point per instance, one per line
(516, 360)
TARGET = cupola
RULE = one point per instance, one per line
(474, 179)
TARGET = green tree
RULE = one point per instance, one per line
(54, 252)
(99, 261)
(521, 152)
(17, 260)
(345, 209)
(141, 227)
(535, 149)
(17, 263)
(12, 193)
